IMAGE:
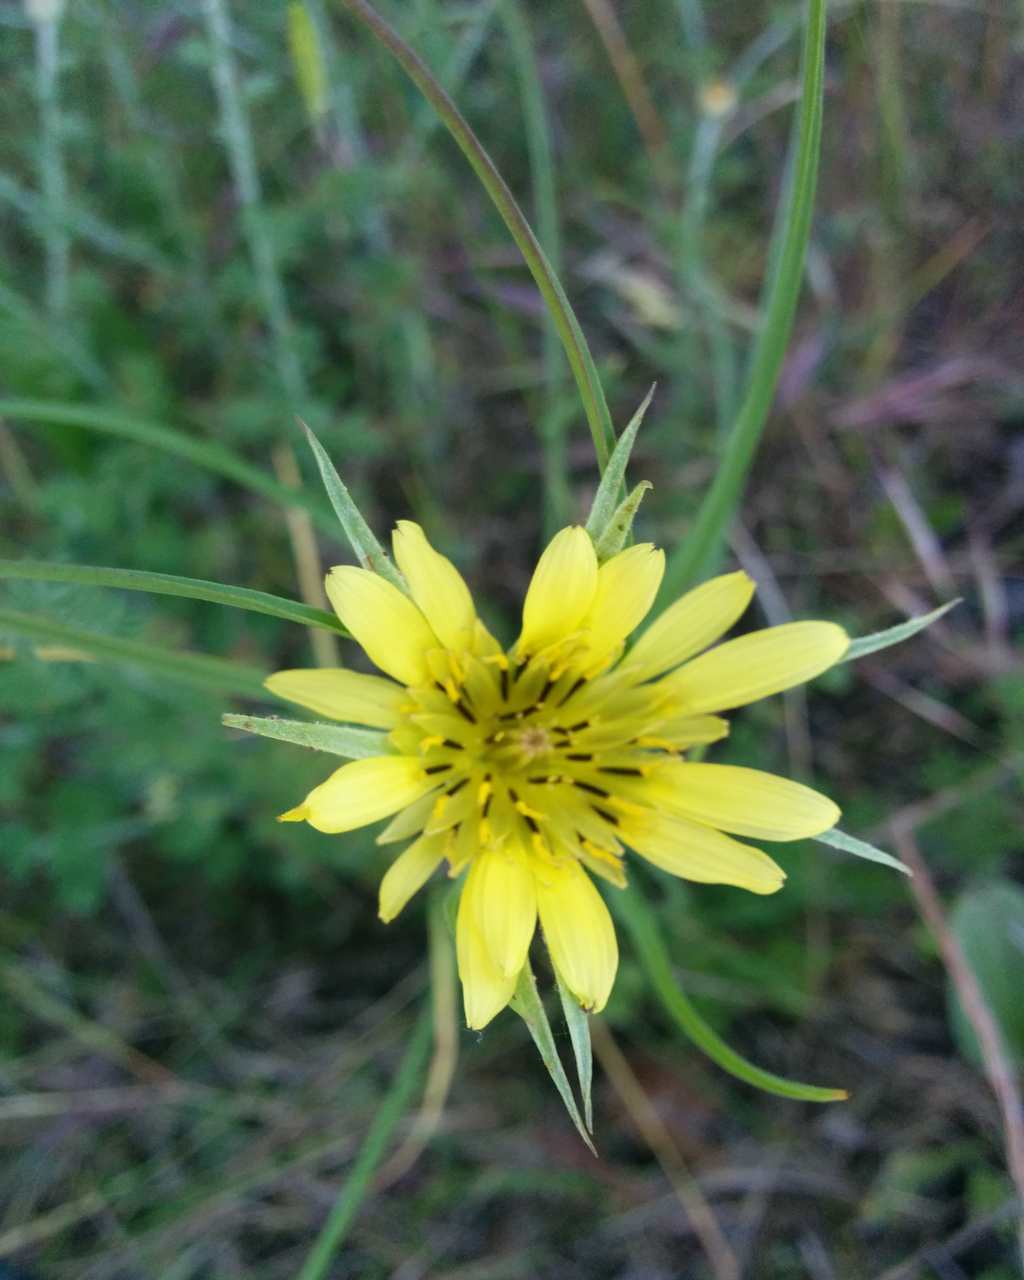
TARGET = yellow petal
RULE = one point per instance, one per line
(626, 587)
(503, 901)
(386, 623)
(364, 791)
(436, 585)
(485, 989)
(696, 620)
(746, 802)
(695, 852)
(561, 590)
(578, 931)
(341, 694)
(409, 872)
(757, 665)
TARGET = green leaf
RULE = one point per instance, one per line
(988, 922)
(579, 1033)
(170, 584)
(895, 635)
(369, 552)
(697, 553)
(191, 668)
(338, 739)
(211, 456)
(621, 523)
(837, 839)
(527, 1003)
(580, 360)
(642, 925)
(605, 506)
(308, 60)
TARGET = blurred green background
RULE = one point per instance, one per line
(213, 219)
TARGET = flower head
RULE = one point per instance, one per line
(532, 770)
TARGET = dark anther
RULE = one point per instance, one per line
(437, 768)
(504, 684)
(580, 755)
(622, 771)
(589, 786)
(465, 712)
(455, 746)
(608, 817)
(578, 685)
(575, 728)
(457, 787)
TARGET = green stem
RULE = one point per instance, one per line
(170, 584)
(190, 668)
(692, 558)
(576, 349)
(642, 925)
(214, 457)
(353, 1193)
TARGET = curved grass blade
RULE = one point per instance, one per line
(837, 839)
(895, 635)
(691, 560)
(579, 1033)
(575, 344)
(640, 921)
(337, 739)
(370, 553)
(606, 501)
(528, 1004)
(358, 1184)
(170, 584)
(190, 668)
(204, 453)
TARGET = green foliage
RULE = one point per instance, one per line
(988, 922)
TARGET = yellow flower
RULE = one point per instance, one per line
(531, 770)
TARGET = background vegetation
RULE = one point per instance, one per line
(212, 220)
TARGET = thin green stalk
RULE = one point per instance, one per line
(169, 584)
(208, 454)
(190, 668)
(241, 156)
(692, 558)
(390, 1110)
(545, 203)
(51, 161)
(576, 349)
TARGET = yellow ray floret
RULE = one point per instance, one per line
(528, 771)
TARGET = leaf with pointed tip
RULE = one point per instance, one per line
(605, 506)
(337, 739)
(861, 647)
(618, 530)
(369, 552)
(579, 1033)
(527, 1003)
(837, 839)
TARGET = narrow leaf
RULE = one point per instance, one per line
(621, 523)
(170, 584)
(190, 668)
(338, 739)
(579, 1033)
(894, 635)
(642, 925)
(527, 1003)
(604, 507)
(369, 552)
(837, 839)
(213, 457)
(308, 60)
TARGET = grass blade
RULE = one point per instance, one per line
(606, 501)
(579, 1033)
(575, 344)
(190, 668)
(642, 925)
(337, 739)
(692, 559)
(837, 839)
(895, 635)
(528, 1004)
(204, 453)
(170, 584)
(370, 553)
(390, 1110)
